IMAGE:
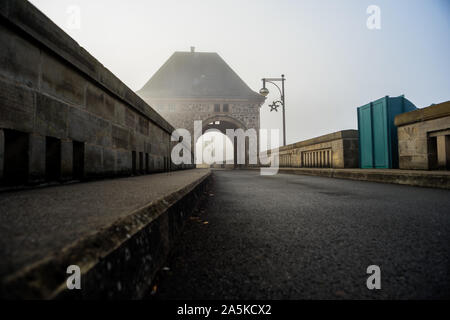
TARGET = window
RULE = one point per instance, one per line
(217, 108)
(226, 108)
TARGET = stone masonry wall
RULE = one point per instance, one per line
(334, 150)
(424, 138)
(62, 114)
(182, 114)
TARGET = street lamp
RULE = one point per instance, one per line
(277, 103)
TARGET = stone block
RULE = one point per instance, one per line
(350, 153)
(36, 151)
(123, 162)
(94, 98)
(137, 141)
(130, 119)
(93, 164)
(133, 141)
(51, 117)
(16, 107)
(416, 162)
(406, 133)
(19, 59)
(152, 163)
(419, 146)
(142, 125)
(159, 163)
(110, 81)
(109, 161)
(62, 81)
(148, 146)
(85, 127)
(34, 23)
(120, 137)
(79, 128)
(66, 160)
(120, 113)
(98, 103)
(110, 108)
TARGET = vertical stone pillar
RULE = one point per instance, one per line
(247, 155)
(66, 160)
(36, 152)
(443, 151)
(2, 152)
(235, 146)
(258, 163)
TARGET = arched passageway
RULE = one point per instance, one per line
(216, 142)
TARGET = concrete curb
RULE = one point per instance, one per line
(116, 262)
(406, 177)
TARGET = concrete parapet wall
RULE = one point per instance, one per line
(51, 88)
(434, 179)
(118, 252)
(334, 150)
(424, 138)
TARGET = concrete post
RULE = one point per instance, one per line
(247, 155)
(443, 151)
(66, 160)
(235, 152)
(2, 152)
(36, 165)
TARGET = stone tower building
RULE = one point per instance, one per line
(201, 86)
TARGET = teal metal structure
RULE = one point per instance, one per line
(378, 143)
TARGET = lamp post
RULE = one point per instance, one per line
(275, 104)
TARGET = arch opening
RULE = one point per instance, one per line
(219, 149)
(214, 148)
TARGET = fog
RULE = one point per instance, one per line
(332, 61)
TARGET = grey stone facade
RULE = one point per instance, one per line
(182, 114)
(194, 86)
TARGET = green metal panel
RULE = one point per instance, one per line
(378, 143)
(365, 136)
(379, 128)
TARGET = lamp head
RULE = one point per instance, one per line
(264, 92)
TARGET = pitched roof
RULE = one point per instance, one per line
(197, 75)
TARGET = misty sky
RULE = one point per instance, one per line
(333, 63)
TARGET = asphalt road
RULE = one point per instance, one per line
(302, 237)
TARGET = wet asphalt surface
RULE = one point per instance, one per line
(303, 237)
